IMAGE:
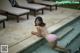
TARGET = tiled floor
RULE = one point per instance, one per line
(18, 32)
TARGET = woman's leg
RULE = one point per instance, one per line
(61, 48)
(56, 47)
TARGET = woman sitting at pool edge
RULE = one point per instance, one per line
(51, 38)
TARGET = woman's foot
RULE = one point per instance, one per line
(69, 51)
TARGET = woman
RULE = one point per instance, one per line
(42, 32)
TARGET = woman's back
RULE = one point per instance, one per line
(44, 31)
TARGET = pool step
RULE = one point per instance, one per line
(69, 38)
(75, 44)
(64, 31)
(45, 49)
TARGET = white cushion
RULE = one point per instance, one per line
(16, 11)
(38, 0)
(2, 17)
(6, 6)
(24, 3)
(33, 6)
(47, 2)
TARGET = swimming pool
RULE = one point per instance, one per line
(70, 32)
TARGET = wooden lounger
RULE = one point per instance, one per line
(33, 7)
(2, 20)
(6, 7)
(46, 3)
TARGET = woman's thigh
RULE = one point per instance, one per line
(53, 44)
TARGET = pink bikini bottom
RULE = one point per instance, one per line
(52, 37)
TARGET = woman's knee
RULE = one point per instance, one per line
(53, 46)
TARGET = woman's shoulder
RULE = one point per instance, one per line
(39, 27)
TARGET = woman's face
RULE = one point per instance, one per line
(37, 21)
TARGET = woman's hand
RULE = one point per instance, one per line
(34, 33)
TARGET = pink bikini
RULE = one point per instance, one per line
(52, 37)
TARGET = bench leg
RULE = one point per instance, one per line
(35, 13)
(56, 7)
(42, 11)
(27, 16)
(50, 8)
(17, 19)
(7, 17)
(3, 24)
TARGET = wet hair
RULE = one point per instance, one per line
(40, 20)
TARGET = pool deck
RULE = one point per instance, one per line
(18, 35)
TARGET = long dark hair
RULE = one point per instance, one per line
(40, 20)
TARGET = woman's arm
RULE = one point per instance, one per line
(38, 30)
(34, 33)
(38, 33)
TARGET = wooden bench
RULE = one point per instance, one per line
(50, 4)
(32, 7)
(9, 10)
